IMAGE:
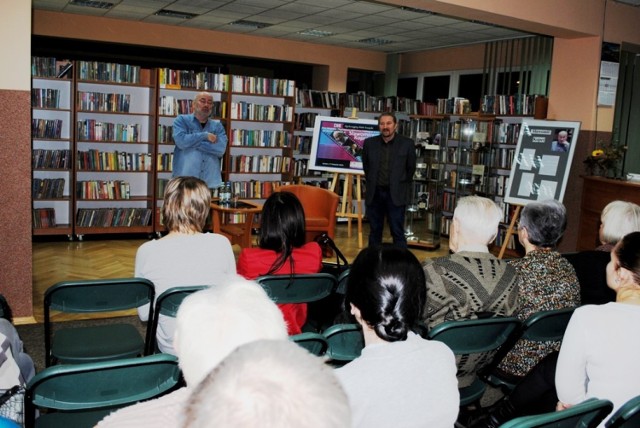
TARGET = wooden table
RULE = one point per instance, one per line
(238, 233)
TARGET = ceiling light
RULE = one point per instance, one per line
(375, 42)
(316, 33)
(250, 24)
(175, 14)
(90, 3)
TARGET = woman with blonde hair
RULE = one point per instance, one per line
(186, 255)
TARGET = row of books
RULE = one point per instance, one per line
(165, 162)
(51, 159)
(243, 110)
(300, 167)
(190, 79)
(162, 185)
(43, 218)
(44, 66)
(255, 189)
(95, 160)
(497, 186)
(302, 121)
(45, 98)
(171, 106)
(47, 188)
(113, 217)
(46, 128)
(260, 163)
(104, 102)
(260, 138)
(422, 130)
(302, 144)
(108, 72)
(317, 99)
(103, 189)
(455, 105)
(520, 104)
(165, 134)
(93, 130)
(263, 86)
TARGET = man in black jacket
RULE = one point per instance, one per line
(389, 161)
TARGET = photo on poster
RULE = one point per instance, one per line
(338, 142)
(542, 161)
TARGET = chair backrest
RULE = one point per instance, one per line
(315, 200)
(342, 282)
(546, 326)
(475, 335)
(345, 342)
(299, 288)
(167, 304)
(587, 414)
(627, 416)
(92, 386)
(315, 343)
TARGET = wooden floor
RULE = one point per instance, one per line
(60, 260)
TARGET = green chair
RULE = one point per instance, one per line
(475, 336)
(342, 282)
(627, 416)
(80, 395)
(345, 343)
(167, 305)
(298, 288)
(543, 326)
(74, 345)
(587, 414)
(315, 343)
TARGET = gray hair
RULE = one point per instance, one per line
(478, 218)
(619, 218)
(545, 222)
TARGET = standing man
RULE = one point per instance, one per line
(200, 143)
(389, 161)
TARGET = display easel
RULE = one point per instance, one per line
(510, 230)
(346, 201)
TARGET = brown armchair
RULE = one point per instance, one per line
(320, 206)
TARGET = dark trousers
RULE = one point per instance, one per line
(382, 206)
(536, 393)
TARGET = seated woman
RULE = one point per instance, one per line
(546, 281)
(282, 250)
(185, 256)
(400, 379)
(601, 344)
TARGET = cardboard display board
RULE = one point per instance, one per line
(337, 143)
(542, 161)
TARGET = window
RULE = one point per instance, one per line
(435, 87)
(470, 87)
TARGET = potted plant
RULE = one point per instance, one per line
(605, 160)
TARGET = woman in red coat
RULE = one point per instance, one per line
(282, 251)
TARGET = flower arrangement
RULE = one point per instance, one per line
(605, 159)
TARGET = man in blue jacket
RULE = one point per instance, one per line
(389, 161)
(200, 143)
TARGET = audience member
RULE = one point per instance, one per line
(269, 383)
(546, 281)
(618, 218)
(472, 282)
(400, 379)
(185, 256)
(210, 324)
(282, 250)
(12, 340)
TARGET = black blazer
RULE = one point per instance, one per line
(403, 165)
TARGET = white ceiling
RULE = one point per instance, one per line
(349, 22)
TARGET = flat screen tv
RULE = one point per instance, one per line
(338, 142)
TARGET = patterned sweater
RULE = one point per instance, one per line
(547, 281)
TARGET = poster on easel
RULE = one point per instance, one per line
(337, 143)
(542, 161)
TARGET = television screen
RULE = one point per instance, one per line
(338, 142)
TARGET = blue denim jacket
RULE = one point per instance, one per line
(194, 155)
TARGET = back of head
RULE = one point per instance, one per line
(545, 222)
(213, 322)
(619, 218)
(387, 285)
(628, 252)
(271, 383)
(187, 202)
(477, 219)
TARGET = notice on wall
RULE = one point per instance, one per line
(542, 161)
(608, 83)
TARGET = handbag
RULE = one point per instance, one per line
(341, 263)
(12, 404)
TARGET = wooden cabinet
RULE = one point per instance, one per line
(597, 192)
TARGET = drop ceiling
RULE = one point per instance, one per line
(348, 23)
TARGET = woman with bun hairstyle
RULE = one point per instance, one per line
(400, 379)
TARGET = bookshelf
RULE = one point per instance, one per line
(114, 145)
(52, 151)
(261, 121)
